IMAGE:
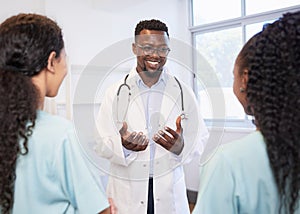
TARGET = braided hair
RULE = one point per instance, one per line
(273, 92)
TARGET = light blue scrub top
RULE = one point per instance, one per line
(238, 179)
(52, 177)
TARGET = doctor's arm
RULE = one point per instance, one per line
(109, 143)
(115, 142)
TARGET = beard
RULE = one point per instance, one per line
(152, 73)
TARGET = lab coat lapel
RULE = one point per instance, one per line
(137, 109)
(170, 104)
(170, 109)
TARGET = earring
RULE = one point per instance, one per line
(242, 90)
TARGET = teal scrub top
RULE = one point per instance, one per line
(238, 179)
(53, 177)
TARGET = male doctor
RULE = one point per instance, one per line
(149, 125)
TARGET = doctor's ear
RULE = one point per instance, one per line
(134, 48)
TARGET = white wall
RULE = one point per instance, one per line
(13, 7)
(91, 25)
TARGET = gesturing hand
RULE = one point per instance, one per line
(133, 141)
(171, 140)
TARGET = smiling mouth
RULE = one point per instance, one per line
(153, 62)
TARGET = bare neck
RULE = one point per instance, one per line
(39, 81)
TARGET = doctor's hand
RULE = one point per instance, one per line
(171, 140)
(133, 141)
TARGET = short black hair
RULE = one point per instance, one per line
(152, 24)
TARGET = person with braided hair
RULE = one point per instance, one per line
(42, 168)
(260, 174)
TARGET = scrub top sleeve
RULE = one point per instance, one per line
(78, 182)
(217, 188)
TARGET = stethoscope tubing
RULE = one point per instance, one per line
(126, 85)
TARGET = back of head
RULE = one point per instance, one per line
(152, 24)
(273, 92)
(26, 41)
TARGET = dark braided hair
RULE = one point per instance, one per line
(273, 92)
(152, 24)
(26, 41)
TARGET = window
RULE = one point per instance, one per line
(211, 11)
(219, 30)
(258, 6)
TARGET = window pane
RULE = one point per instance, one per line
(216, 54)
(255, 28)
(258, 6)
(213, 10)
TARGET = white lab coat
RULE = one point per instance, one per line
(128, 179)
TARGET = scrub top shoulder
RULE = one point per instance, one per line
(238, 179)
(53, 177)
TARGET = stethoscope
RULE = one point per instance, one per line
(183, 115)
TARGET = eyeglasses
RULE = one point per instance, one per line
(149, 50)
